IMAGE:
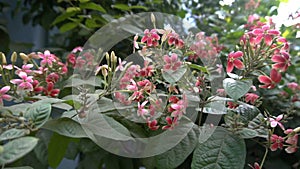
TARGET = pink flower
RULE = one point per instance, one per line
(171, 123)
(52, 77)
(264, 33)
(179, 107)
(171, 63)
(152, 124)
(221, 92)
(275, 122)
(276, 142)
(50, 91)
(47, 58)
(25, 83)
(141, 109)
(282, 62)
(151, 37)
(71, 58)
(270, 82)
(292, 141)
(122, 98)
(256, 166)
(175, 40)
(80, 62)
(234, 62)
(251, 97)
(4, 95)
(36, 87)
(232, 105)
(77, 49)
(293, 86)
(121, 65)
(147, 70)
(25, 68)
(135, 44)
(132, 86)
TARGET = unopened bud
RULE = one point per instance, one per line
(297, 130)
(24, 57)
(113, 57)
(107, 56)
(13, 57)
(3, 58)
(152, 18)
(33, 56)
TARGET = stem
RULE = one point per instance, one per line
(264, 158)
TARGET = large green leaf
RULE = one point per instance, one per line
(236, 88)
(175, 156)
(57, 148)
(223, 150)
(174, 76)
(247, 112)
(93, 6)
(17, 148)
(13, 133)
(68, 26)
(66, 127)
(38, 113)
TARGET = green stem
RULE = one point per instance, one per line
(264, 158)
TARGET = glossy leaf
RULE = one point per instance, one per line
(66, 127)
(223, 150)
(247, 133)
(236, 88)
(13, 133)
(17, 148)
(68, 26)
(176, 155)
(57, 148)
(93, 6)
(39, 113)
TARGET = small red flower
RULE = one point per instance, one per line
(275, 122)
(256, 166)
(277, 142)
(282, 61)
(171, 123)
(233, 61)
(232, 105)
(171, 62)
(151, 37)
(292, 141)
(251, 97)
(152, 124)
(270, 82)
(50, 91)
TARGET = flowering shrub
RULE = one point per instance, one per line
(174, 86)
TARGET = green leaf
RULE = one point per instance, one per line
(176, 155)
(139, 7)
(174, 76)
(63, 17)
(247, 133)
(13, 133)
(198, 67)
(247, 112)
(66, 127)
(258, 124)
(236, 88)
(24, 167)
(93, 6)
(223, 150)
(122, 7)
(68, 26)
(57, 148)
(17, 148)
(39, 113)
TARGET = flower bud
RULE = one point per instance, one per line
(107, 56)
(3, 58)
(13, 57)
(24, 57)
(33, 56)
(113, 57)
(297, 130)
(152, 18)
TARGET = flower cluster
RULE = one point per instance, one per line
(37, 76)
